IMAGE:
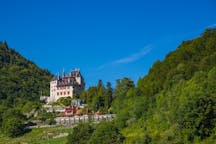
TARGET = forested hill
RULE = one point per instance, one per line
(20, 79)
(176, 101)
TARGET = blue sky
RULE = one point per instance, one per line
(106, 39)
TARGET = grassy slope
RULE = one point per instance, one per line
(39, 136)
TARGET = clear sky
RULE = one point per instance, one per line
(106, 39)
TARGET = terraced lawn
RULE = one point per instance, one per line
(39, 136)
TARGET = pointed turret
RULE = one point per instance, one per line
(63, 73)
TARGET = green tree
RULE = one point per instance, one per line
(91, 98)
(120, 92)
(13, 123)
(106, 133)
(13, 127)
(80, 134)
(122, 86)
(108, 96)
(66, 101)
(47, 117)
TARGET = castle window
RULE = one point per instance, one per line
(64, 93)
(57, 93)
(68, 92)
(60, 93)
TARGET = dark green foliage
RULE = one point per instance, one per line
(123, 86)
(65, 101)
(13, 113)
(21, 85)
(120, 92)
(12, 123)
(13, 127)
(103, 133)
(88, 96)
(99, 98)
(21, 78)
(108, 96)
(198, 114)
(47, 117)
(106, 133)
(80, 134)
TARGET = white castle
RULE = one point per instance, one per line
(66, 86)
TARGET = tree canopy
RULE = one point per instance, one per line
(21, 85)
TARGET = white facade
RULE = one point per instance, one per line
(66, 86)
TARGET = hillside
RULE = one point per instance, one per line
(19, 77)
(176, 101)
(21, 83)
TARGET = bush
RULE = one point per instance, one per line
(80, 134)
(106, 133)
(13, 127)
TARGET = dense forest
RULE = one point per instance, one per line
(174, 103)
(21, 83)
